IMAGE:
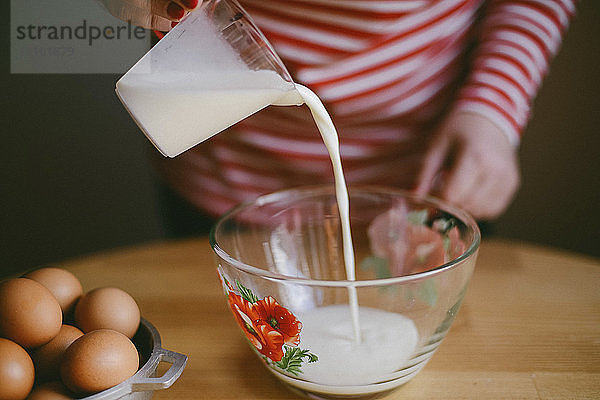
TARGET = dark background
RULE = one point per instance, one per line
(76, 177)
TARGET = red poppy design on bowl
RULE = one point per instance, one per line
(271, 328)
(279, 319)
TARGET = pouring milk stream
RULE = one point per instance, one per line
(179, 105)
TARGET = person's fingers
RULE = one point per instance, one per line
(137, 16)
(496, 180)
(189, 4)
(150, 14)
(462, 179)
(173, 10)
(166, 9)
(432, 164)
(160, 24)
(475, 164)
(486, 201)
(495, 193)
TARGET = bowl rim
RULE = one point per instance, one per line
(329, 189)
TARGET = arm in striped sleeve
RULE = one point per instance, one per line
(517, 41)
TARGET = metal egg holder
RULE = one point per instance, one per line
(143, 383)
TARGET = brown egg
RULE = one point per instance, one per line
(16, 371)
(65, 287)
(108, 308)
(50, 391)
(47, 357)
(97, 361)
(29, 314)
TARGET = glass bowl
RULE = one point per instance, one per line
(280, 260)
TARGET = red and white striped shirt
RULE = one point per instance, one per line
(387, 71)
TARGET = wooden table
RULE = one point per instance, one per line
(529, 327)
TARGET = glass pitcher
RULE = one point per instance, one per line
(209, 72)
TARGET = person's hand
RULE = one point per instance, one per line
(151, 14)
(471, 164)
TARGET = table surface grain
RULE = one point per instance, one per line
(529, 327)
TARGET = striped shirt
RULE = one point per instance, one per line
(387, 71)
